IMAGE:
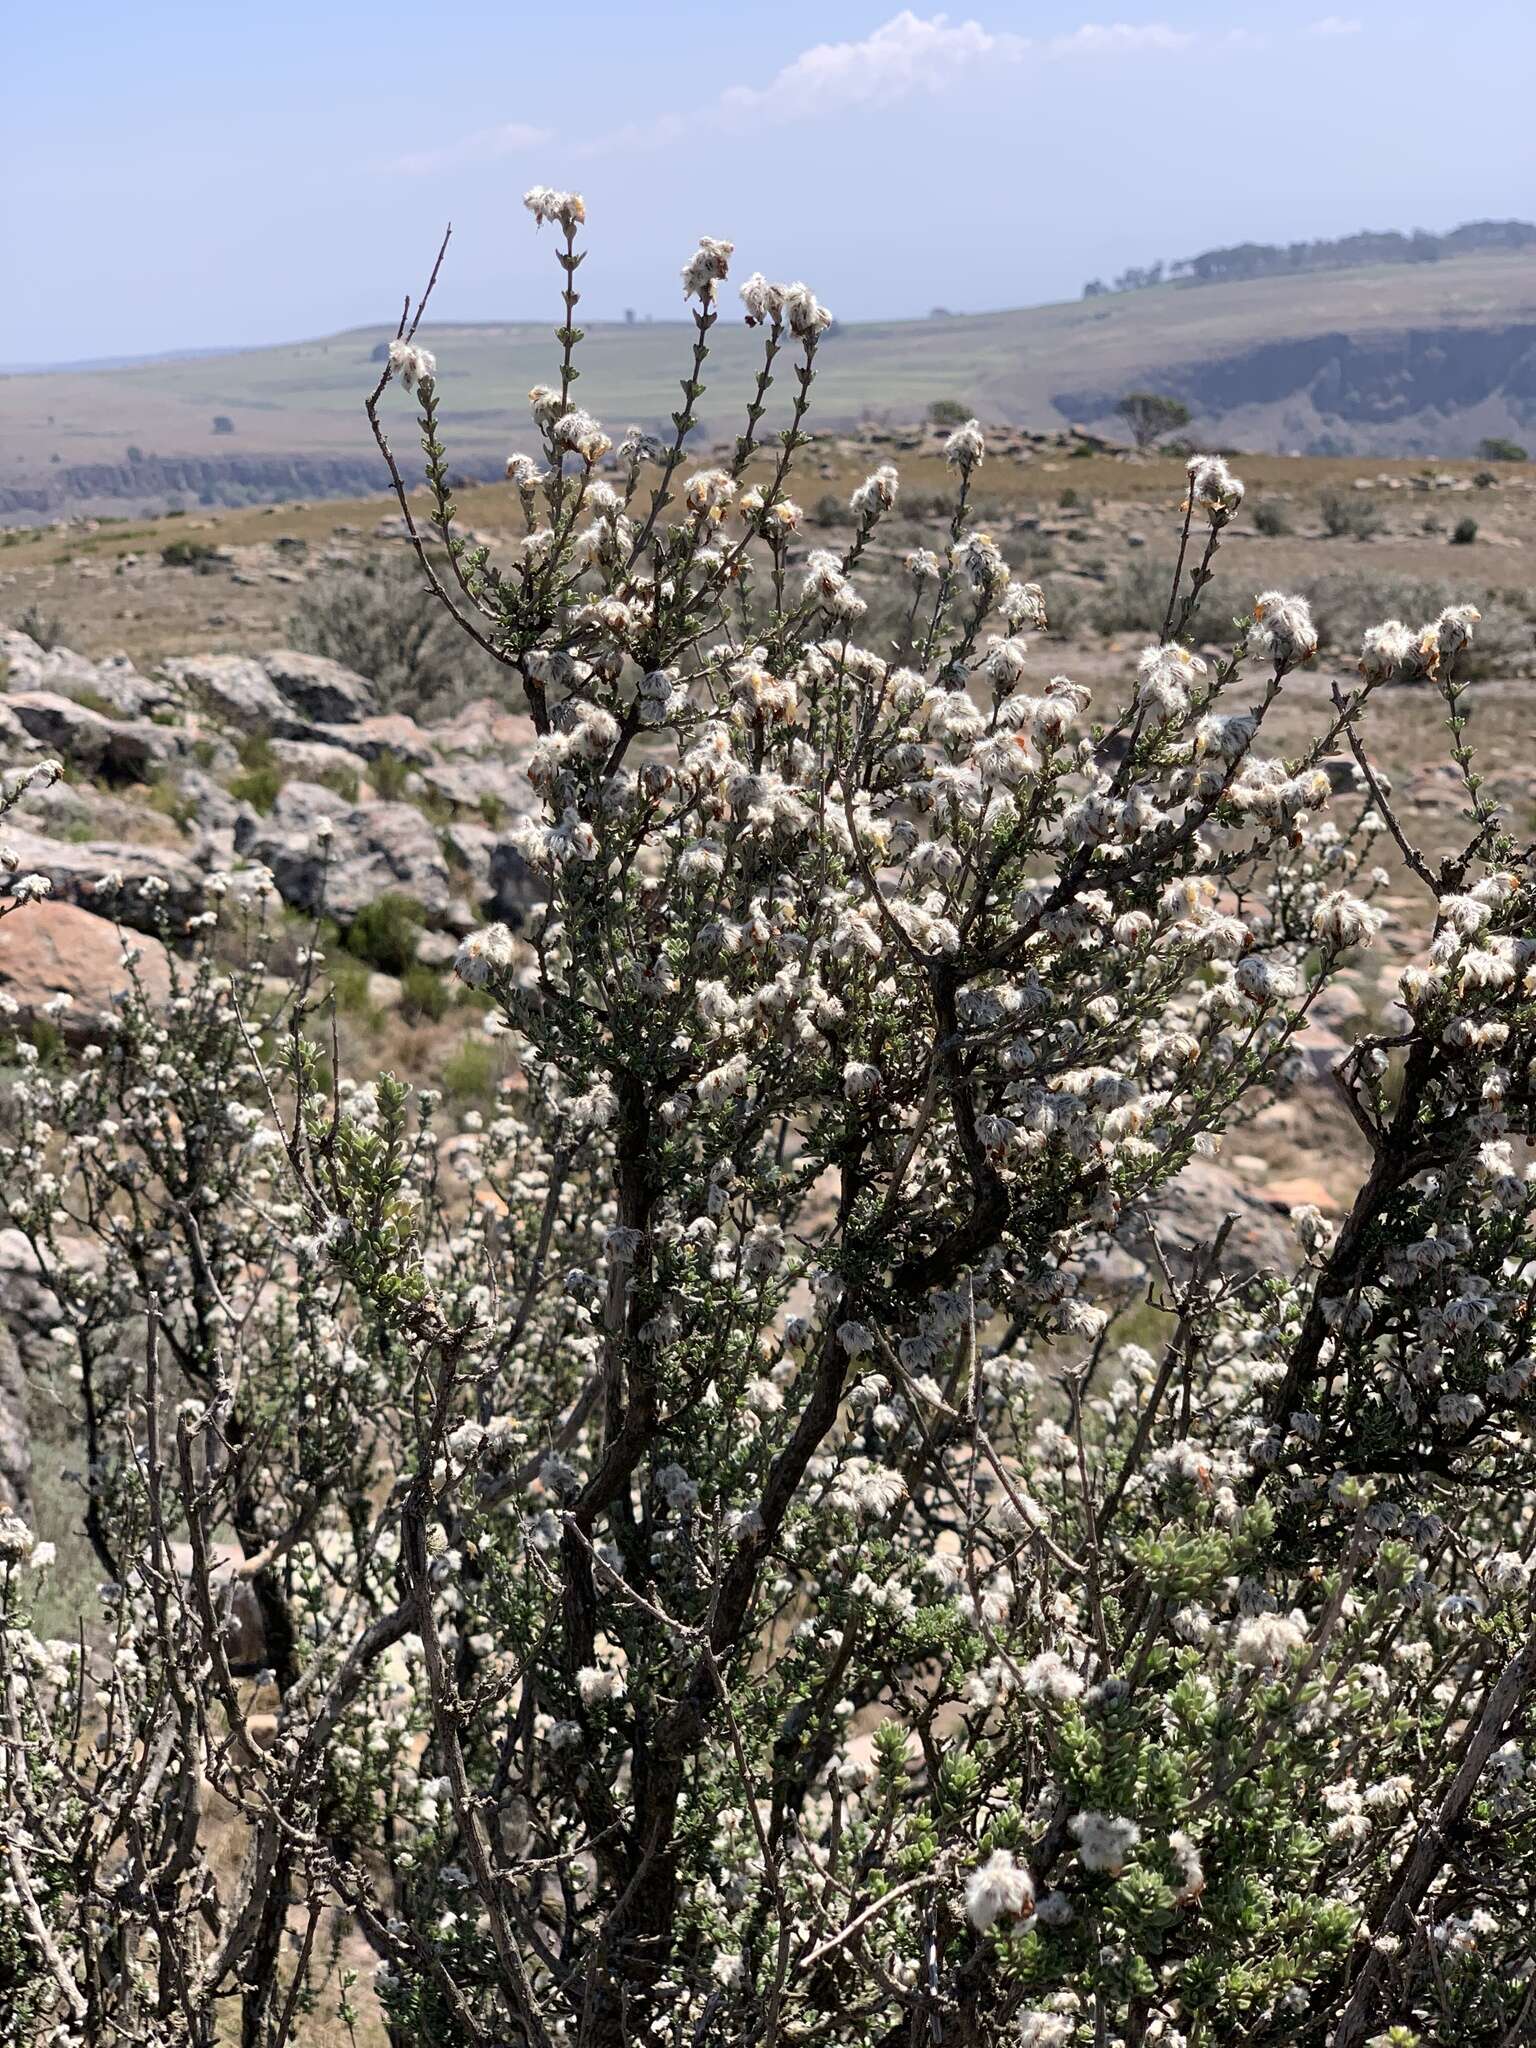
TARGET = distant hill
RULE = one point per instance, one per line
(1346, 252)
(1390, 358)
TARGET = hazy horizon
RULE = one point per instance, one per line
(179, 179)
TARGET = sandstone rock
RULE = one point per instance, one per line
(490, 787)
(48, 949)
(28, 1305)
(514, 888)
(1318, 1051)
(375, 850)
(469, 846)
(485, 727)
(1301, 1191)
(152, 880)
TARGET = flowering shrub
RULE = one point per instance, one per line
(722, 1569)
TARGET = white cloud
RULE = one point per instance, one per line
(909, 55)
(1335, 25)
(1118, 39)
(486, 146)
(905, 56)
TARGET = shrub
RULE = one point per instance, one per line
(1271, 518)
(1464, 532)
(222, 423)
(948, 412)
(45, 629)
(470, 1073)
(188, 554)
(261, 776)
(1352, 515)
(1497, 448)
(728, 1569)
(424, 993)
(381, 619)
(386, 933)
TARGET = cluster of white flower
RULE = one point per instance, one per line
(716, 1555)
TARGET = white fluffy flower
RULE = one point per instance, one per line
(999, 1889)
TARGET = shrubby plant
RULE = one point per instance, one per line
(380, 619)
(726, 1564)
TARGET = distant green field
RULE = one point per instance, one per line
(306, 399)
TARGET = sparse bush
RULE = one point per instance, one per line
(261, 777)
(188, 554)
(470, 1074)
(222, 423)
(46, 629)
(381, 619)
(948, 412)
(1498, 448)
(424, 993)
(1351, 515)
(1271, 518)
(722, 1557)
(1464, 532)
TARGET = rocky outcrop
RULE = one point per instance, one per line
(1191, 1209)
(137, 886)
(117, 750)
(66, 674)
(318, 690)
(1420, 390)
(329, 753)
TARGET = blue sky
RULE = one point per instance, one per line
(180, 175)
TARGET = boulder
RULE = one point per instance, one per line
(374, 850)
(499, 879)
(514, 888)
(49, 949)
(485, 727)
(493, 788)
(121, 750)
(135, 885)
(310, 759)
(15, 1439)
(320, 690)
(234, 1602)
(61, 726)
(231, 687)
(469, 845)
(28, 1305)
(1190, 1210)
(388, 733)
